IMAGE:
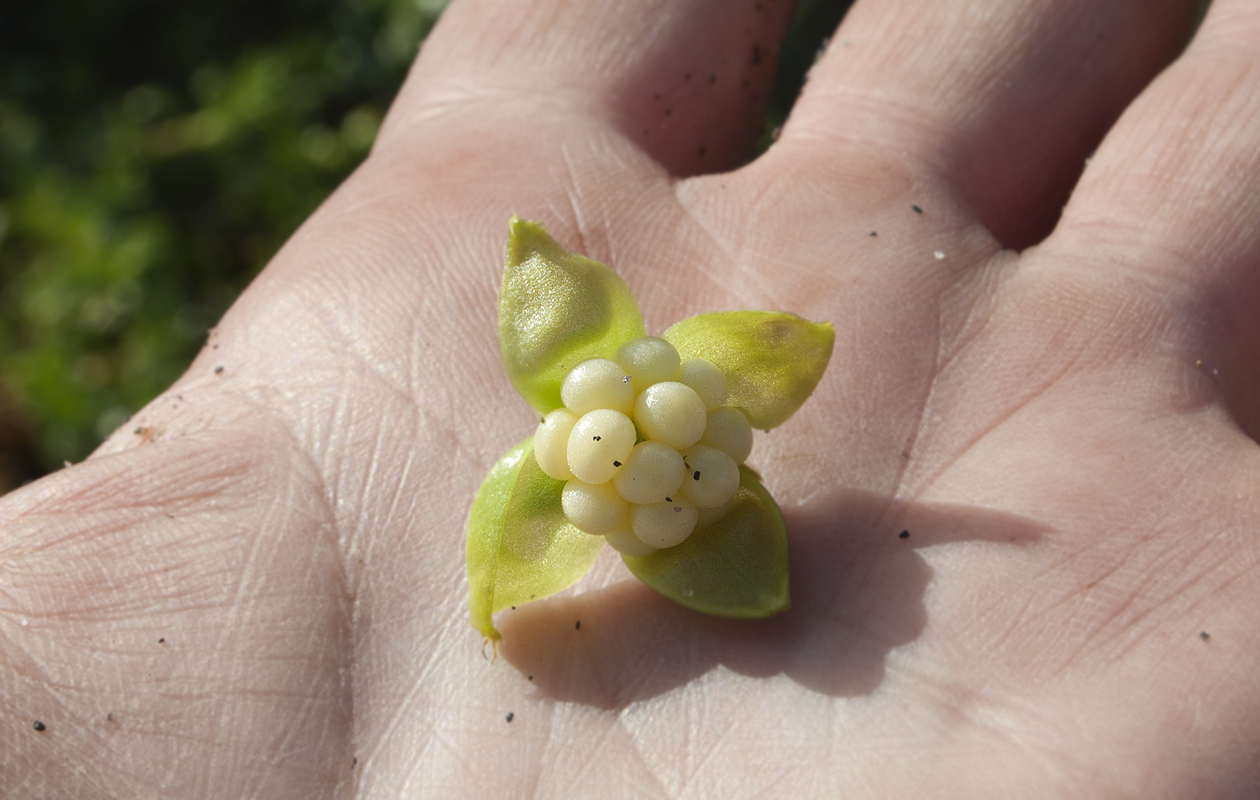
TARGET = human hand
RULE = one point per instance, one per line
(256, 588)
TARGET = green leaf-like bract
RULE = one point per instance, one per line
(557, 309)
(520, 545)
(772, 360)
(735, 567)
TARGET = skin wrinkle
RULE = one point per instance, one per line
(554, 772)
(958, 340)
(925, 483)
(693, 223)
(573, 192)
(1099, 580)
(699, 757)
(418, 777)
(898, 490)
(1086, 351)
(636, 746)
(402, 710)
(1180, 592)
(977, 713)
(1117, 616)
(879, 123)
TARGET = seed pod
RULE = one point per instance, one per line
(712, 477)
(551, 443)
(597, 383)
(664, 524)
(600, 442)
(594, 509)
(652, 472)
(708, 381)
(728, 430)
(670, 413)
(648, 360)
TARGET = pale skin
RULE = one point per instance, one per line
(267, 599)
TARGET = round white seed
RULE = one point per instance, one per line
(551, 443)
(727, 429)
(671, 413)
(712, 477)
(594, 509)
(664, 524)
(625, 542)
(599, 444)
(704, 376)
(652, 472)
(648, 360)
(597, 383)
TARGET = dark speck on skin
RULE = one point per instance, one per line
(39, 726)
(577, 626)
(510, 716)
(1204, 635)
(218, 370)
(904, 535)
(917, 210)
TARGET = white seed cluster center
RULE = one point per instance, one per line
(645, 446)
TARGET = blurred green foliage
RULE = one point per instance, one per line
(154, 155)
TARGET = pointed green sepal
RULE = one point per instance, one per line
(557, 309)
(772, 360)
(734, 567)
(520, 545)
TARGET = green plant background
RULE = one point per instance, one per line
(154, 155)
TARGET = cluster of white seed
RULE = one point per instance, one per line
(646, 448)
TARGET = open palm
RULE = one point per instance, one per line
(1022, 504)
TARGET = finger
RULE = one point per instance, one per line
(1002, 100)
(686, 81)
(1171, 201)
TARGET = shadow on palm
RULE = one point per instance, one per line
(858, 589)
